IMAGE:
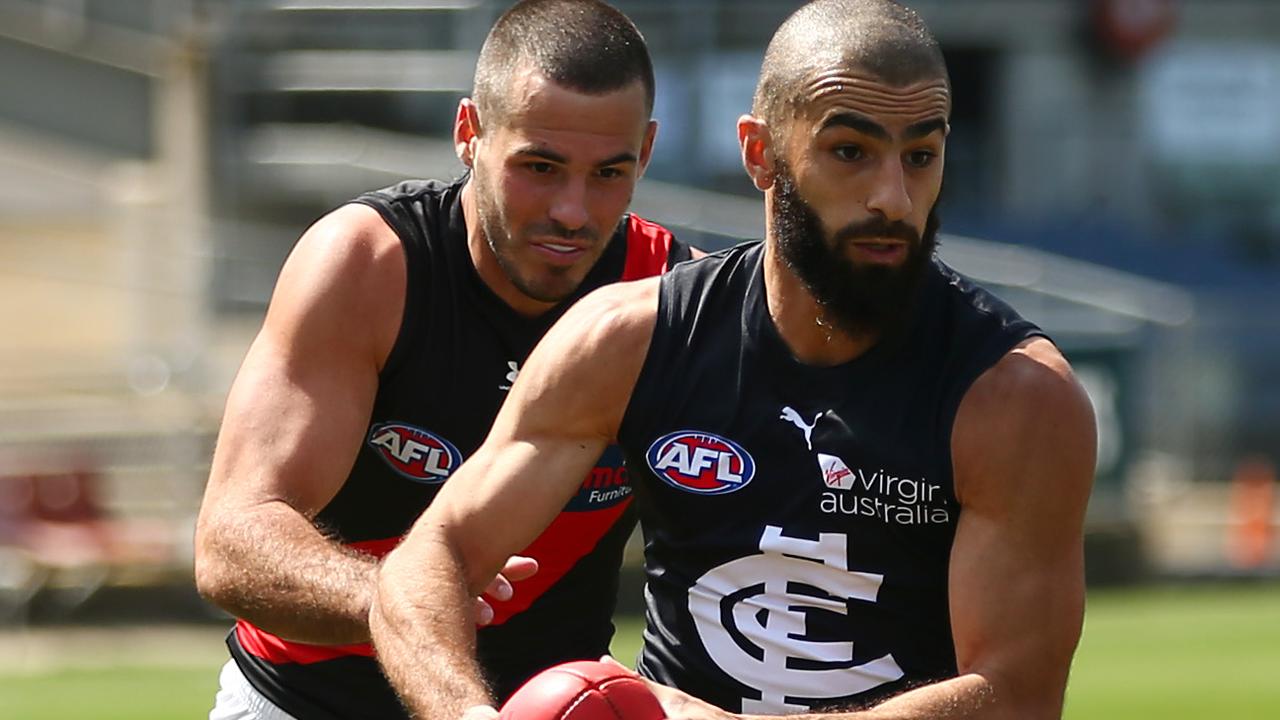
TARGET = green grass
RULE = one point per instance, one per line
(125, 693)
(1196, 653)
(1202, 652)
(626, 642)
(1166, 654)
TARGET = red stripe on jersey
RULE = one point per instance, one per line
(376, 548)
(648, 245)
(566, 540)
(276, 650)
(570, 537)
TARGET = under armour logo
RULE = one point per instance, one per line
(794, 418)
(511, 376)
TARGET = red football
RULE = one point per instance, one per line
(583, 690)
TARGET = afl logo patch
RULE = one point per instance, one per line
(415, 453)
(700, 462)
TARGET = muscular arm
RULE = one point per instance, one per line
(294, 420)
(563, 410)
(1023, 457)
(1023, 448)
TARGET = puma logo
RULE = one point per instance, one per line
(794, 418)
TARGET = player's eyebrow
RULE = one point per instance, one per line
(871, 128)
(619, 159)
(546, 153)
(925, 128)
(542, 152)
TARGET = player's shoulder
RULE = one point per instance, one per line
(375, 215)
(414, 195)
(726, 273)
(347, 262)
(1028, 403)
(352, 222)
(352, 237)
(1034, 370)
(1031, 379)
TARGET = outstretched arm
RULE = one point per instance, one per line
(563, 411)
(1023, 450)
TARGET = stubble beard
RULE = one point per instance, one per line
(503, 245)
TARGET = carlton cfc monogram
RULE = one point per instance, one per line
(753, 622)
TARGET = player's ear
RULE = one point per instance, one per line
(466, 131)
(646, 147)
(757, 151)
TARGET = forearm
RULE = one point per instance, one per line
(273, 568)
(962, 698)
(424, 631)
(967, 697)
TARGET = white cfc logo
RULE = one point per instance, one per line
(763, 610)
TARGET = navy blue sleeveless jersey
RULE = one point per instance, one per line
(457, 353)
(798, 519)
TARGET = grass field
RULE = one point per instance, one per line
(1173, 654)
(1199, 652)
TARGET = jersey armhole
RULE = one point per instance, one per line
(1019, 332)
(656, 357)
(409, 314)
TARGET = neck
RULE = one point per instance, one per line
(486, 263)
(812, 338)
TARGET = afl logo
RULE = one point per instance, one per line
(414, 453)
(701, 463)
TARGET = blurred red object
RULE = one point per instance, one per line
(1253, 501)
(1128, 29)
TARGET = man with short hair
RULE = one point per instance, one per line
(861, 478)
(397, 326)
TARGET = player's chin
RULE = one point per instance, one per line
(557, 285)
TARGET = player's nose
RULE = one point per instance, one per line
(569, 207)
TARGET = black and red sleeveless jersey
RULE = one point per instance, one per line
(798, 520)
(458, 351)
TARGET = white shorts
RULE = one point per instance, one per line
(238, 700)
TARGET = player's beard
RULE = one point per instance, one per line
(858, 298)
(558, 282)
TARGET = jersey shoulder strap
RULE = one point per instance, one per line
(651, 249)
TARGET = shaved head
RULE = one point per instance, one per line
(879, 37)
(581, 45)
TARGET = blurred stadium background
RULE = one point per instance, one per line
(1113, 171)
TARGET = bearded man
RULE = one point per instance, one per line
(861, 478)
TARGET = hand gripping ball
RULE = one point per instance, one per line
(583, 690)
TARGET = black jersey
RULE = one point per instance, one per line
(798, 519)
(457, 353)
